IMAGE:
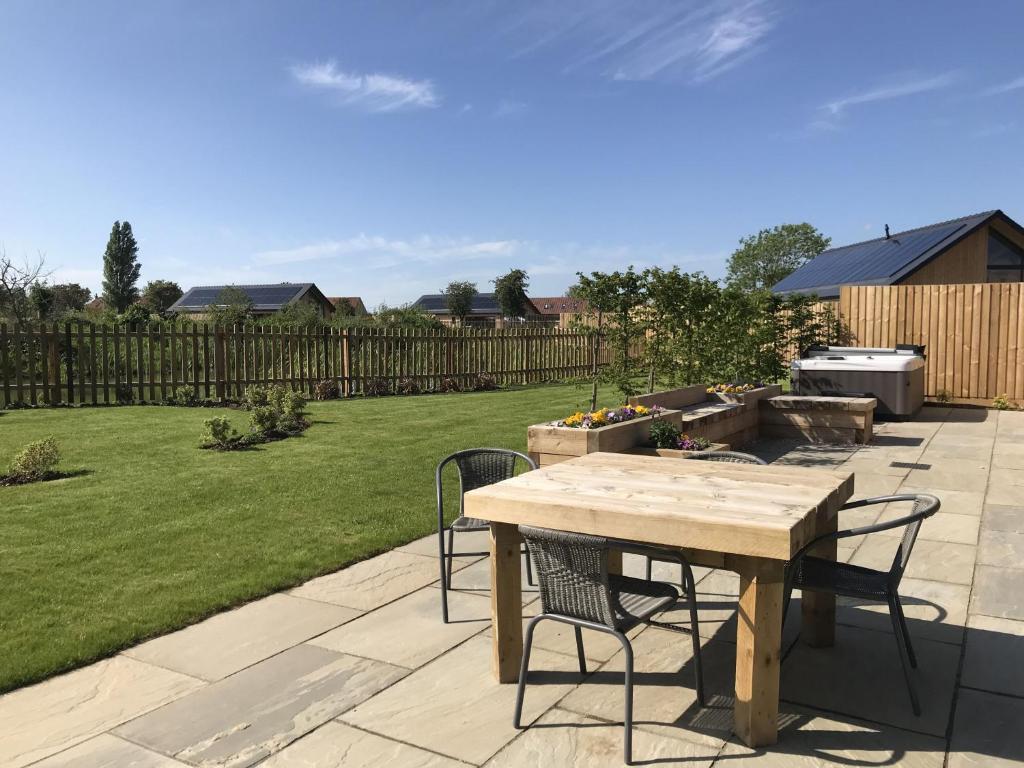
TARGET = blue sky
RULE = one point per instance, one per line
(382, 149)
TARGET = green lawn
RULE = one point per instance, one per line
(157, 534)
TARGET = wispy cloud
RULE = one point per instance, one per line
(663, 39)
(1012, 85)
(893, 89)
(373, 92)
(509, 108)
(382, 252)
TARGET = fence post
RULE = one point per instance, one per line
(346, 362)
(218, 360)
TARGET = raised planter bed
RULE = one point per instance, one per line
(675, 453)
(819, 419)
(550, 443)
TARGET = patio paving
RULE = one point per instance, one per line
(356, 668)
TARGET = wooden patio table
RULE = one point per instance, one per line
(746, 518)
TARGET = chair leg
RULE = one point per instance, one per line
(627, 720)
(906, 633)
(579, 651)
(524, 670)
(649, 564)
(904, 660)
(451, 554)
(444, 580)
(698, 667)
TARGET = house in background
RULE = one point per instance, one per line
(983, 248)
(485, 310)
(355, 302)
(552, 308)
(266, 299)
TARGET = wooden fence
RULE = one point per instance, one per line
(85, 363)
(973, 333)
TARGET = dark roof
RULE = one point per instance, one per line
(556, 305)
(483, 304)
(882, 261)
(353, 301)
(265, 298)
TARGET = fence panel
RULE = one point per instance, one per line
(973, 334)
(85, 363)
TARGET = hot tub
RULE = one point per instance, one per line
(894, 376)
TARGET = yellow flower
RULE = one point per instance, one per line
(642, 410)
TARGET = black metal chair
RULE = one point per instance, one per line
(476, 467)
(729, 457)
(814, 574)
(576, 589)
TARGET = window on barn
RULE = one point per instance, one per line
(1005, 260)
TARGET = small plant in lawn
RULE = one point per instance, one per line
(220, 435)
(184, 396)
(377, 387)
(485, 382)
(449, 384)
(327, 389)
(408, 386)
(1002, 403)
(36, 461)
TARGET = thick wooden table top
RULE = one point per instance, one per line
(739, 509)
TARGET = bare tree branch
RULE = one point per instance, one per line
(15, 280)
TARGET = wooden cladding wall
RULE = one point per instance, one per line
(84, 363)
(973, 333)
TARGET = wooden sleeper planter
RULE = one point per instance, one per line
(550, 443)
(674, 453)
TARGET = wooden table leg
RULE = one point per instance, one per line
(506, 602)
(818, 609)
(615, 561)
(758, 643)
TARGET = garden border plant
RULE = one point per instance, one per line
(275, 413)
(35, 463)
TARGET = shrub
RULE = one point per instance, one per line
(377, 387)
(36, 461)
(292, 403)
(485, 382)
(943, 396)
(408, 386)
(183, 396)
(264, 418)
(1002, 403)
(257, 395)
(664, 434)
(327, 389)
(449, 384)
(219, 433)
(125, 395)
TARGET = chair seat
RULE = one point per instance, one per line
(636, 600)
(818, 575)
(469, 524)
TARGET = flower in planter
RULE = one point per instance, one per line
(606, 416)
(687, 443)
(731, 389)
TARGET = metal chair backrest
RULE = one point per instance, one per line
(732, 457)
(572, 571)
(478, 467)
(924, 506)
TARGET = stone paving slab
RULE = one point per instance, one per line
(564, 739)
(236, 639)
(454, 706)
(374, 582)
(336, 745)
(242, 719)
(987, 731)
(1002, 518)
(998, 592)
(106, 751)
(1001, 548)
(409, 632)
(61, 712)
(994, 657)
(861, 676)
(935, 610)
(933, 560)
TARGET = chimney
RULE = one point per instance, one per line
(886, 231)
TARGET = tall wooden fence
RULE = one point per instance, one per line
(85, 363)
(973, 333)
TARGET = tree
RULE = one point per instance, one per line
(233, 307)
(42, 299)
(767, 257)
(510, 291)
(69, 297)
(15, 282)
(121, 268)
(458, 297)
(159, 295)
